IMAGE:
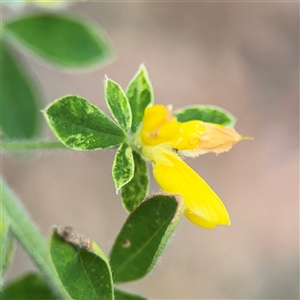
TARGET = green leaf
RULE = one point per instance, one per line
(67, 41)
(19, 102)
(122, 295)
(206, 113)
(144, 235)
(136, 189)
(123, 166)
(7, 243)
(30, 286)
(118, 104)
(82, 126)
(140, 95)
(81, 265)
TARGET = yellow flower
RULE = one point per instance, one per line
(161, 138)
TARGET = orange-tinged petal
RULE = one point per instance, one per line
(191, 138)
(203, 206)
(197, 137)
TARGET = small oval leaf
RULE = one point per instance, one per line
(82, 126)
(62, 40)
(136, 189)
(140, 94)
(144, 235)
(206, 113)
(30, 286)
(19, 115)
(123, 166)
(118, 104)
(81, 265)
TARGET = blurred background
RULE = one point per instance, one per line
(243, 57)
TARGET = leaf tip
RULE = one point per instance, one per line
(119, 185)
(142, 69)
(105, 81)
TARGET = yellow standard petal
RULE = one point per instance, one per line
(203, 206)
(159, 126)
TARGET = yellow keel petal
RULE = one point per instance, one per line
(203, 206)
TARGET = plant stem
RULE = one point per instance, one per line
(30, 238)
(20, 145)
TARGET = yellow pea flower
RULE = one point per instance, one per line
(161, 136)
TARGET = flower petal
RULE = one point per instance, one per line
(197, 137)
(191, 138)
(159, 126)
(203, 206)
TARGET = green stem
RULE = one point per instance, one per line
(30, 145)
(29, 236)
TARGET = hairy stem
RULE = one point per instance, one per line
(30, 238)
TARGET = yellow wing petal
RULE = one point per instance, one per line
(203, 206)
